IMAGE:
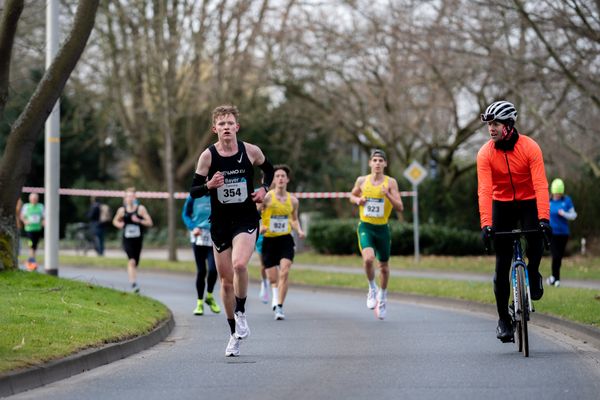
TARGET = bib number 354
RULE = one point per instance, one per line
(232, 193)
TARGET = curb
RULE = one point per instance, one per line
(20, 381)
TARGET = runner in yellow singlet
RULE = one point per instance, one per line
(376, 195)
(279, 217)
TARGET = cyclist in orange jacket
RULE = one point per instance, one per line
(513, 193)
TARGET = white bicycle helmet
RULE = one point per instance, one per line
(500, 111)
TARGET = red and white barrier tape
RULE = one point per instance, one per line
(182, 195)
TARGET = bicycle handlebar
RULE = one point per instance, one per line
(516, 233)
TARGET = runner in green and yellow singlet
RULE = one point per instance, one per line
(376, 195)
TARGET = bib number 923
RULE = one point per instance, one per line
(374, 208)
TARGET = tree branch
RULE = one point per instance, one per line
(8, 28)
(16, 160)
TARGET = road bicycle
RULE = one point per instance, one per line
(521, 306)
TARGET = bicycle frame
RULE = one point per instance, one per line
(521, 291)
(518, 262)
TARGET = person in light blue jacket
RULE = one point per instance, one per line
(195, 214)
(561, 212)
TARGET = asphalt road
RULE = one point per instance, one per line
(330, 347)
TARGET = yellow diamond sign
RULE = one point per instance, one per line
(415, 173)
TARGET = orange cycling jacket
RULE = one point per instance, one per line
(511, 175)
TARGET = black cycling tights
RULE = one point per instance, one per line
(204, 255)
(509, 215)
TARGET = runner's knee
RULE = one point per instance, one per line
(369, 259)
(238, 266)
(226, 286)
(283, 274)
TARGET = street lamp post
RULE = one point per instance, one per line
(52, 152)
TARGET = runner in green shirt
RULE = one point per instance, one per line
(32, 215)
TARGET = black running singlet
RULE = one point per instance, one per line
(232, 201)
(132, 230)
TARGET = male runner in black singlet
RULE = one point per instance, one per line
(225, 171)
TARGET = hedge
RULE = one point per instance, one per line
(338, 236)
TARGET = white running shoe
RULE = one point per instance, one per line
(233, 347)
(242, 330)
(372, 299)
(380, 311)
(263, 295)
(279, 315)
(552, 281)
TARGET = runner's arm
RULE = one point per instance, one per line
(257, 158)
(23, 213)
(393, 195)
(201, 186)
(118, 219)
(146, 218)
(570, 214)
(187, 212)
(295, 220)
(261, 207)
(356, 193)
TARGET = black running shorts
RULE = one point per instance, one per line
(274, 249)
(223, 232)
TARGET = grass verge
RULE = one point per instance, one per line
(45, 317)
(577, 267)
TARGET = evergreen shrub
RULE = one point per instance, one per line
(338, 236)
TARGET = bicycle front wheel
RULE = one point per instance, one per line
(523, 313)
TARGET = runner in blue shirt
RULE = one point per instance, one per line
(561, 212)
(195, 214)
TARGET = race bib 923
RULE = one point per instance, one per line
(374, 208)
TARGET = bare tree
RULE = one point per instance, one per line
(169, 63)
(569, 34)
(16, 159)
(390, 78)
(413, 76)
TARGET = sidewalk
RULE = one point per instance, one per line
(185, 254)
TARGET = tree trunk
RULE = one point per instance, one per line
(16, 160)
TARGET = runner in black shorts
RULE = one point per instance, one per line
(132, 218)
(279, 217)
(225, 171)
